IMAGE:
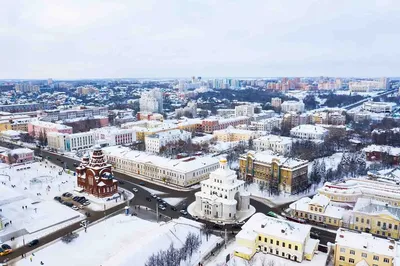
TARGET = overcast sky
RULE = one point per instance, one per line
(181, 38)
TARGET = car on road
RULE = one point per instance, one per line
(121, 182)
(142, 183)
(33, 243)
(164, 202)
(75, 164)
(161, 207)
(173, 208)
(135, 190)
(153, 195)
(57, 198)
(5, 249)
(58, 159)
(75, 208)
(196, 218)
(148, 199)
(220, 222)
(183, 212)
(158, 199)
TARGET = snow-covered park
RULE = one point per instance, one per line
(124, 241)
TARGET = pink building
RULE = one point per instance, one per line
(35, 127)
(21, 155)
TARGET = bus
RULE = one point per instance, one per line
(272, 214)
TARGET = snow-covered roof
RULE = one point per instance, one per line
(21, 151)
(330, 210)
(275, 138)
(309, 129)
(101, 184)
(232, 130)
(367, 242)
(184, 165)
(283, 229)
(395, 151)
(374, 207)
(320, 200)
(269, 156)
(49, 124)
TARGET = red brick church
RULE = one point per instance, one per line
(95, 176)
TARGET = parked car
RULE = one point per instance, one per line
(173, 208)
(121, 182)
(75, 164)
(135, 190)
(69, 204)
(57, 198)
(75, 208)
(76, 198)
(33, 243)
(183, 212)
(148, 199)
(5, 249)
(86, 203)
(161, 207)
(158, 199)
(142, 183)
(196, 218)
(164, 202)
(153, 195)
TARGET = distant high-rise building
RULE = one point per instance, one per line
(276, 102)
(49, 81)
(151, 101)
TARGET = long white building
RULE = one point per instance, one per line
(70, 142)
(154, 143)
(222, 196)
(268, 124)
(110, 136)
(292, 106)
(279, 144)
(182, 172)
(310, 132)
(378, 107)
(244, 110)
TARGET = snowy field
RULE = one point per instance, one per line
(173, 201)
(123, 241)
(260, 259)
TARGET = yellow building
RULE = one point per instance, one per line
(276, 237)
(277, 172)
(353, 248)
(375, 217)
(231, 134)
(318, 209)
(5, 125)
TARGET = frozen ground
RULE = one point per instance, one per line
(122, 241)
(258, 259)
(331, 162)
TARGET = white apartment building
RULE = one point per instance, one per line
(70, 142)
(276, 102)
(292, 106)
(378, 107)
(182, 172)
(231, 134)
(268, 124)
(155, 142)
(310, 132)
(279, 144)
(368, 85)
(111, 136)
(222, 195)
(151, 101)
(244, 110)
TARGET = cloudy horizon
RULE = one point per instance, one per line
(143, 39)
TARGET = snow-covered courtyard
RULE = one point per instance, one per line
(123, 241)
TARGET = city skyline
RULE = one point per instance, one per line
(123, 39)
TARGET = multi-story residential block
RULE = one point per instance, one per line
(5, 125)
(275, 237)
(353, 248)
(309, 132)
(190, 110)
(145, 128)
(281, 173)
(318, 209)
(182, 172)
(209, 125)
(226, 112)
(10, 135)
(279, 144)
(268, 124)
(17, 122)
(381, 152)
(375, 217)
(293, 119)
(24, 107)
(71, 142)
(110, 136)
(151, 101)
(292, 106)
(156, 142)
(263, 115)
(244, 110)
(222, 196)
(368, 85)
(378, 107)
(149, 116)
(231, 134)
(36, 127)
(353, 189)
(276, 102)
